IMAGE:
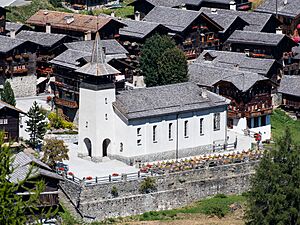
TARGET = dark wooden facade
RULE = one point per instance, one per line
(2, 20)
(9, 123)
(255, 104)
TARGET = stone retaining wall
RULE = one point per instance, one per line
(172, 191)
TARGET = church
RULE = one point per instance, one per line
(147, 124)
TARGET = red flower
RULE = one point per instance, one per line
(71, 174)
(49, 98)
(61, 168)
(115, 174)
(89, 178)
(149, 166)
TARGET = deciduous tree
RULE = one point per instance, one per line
(54, 150)
(274, 197)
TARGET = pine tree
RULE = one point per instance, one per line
(36, 125)
(54, 150)
(151, 53)
(7, 94)
(172, 67)
(13, 208)
(274, 197)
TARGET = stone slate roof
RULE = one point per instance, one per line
(256, 21)
(112, 47)
(177, 3)
(233, 60)
(7, 43)
(258, 38)
(83, 49)
(291, 9)
(175, 19)
(13, 26)
(163, 100)
(290, 85)
(23, 163)
(138, 29)
(206, 75)
(82, 23)
(223, 19)
(6, 105)
(41, 38)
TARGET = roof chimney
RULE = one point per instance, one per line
(183, 6)
(48, 28)
(137, 16)
(112, 14)
(232, 5)
(88, 36)
(12, 33)
(213, 11)
(204, 93)
(285, 2)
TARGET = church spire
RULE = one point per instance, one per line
(98, 55)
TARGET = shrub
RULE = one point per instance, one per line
(58, 122)
(148, 185)
(114, 192)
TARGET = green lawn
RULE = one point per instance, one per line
(22, 13)
(279, 121)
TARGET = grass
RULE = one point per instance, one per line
(22, 13)
(124, 12)
(216, 206)
(280, 121)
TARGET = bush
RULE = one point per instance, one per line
(148, 185)
(58, 122)
(114, 192)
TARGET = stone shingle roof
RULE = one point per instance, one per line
(112, 47)
(256, 21)
(290, 85)
(258, 38)
(41, 38)
(175, 19)
(163, 100)
(6, 105)
(25, 163)
(291, 9)
(138, 29)
(13, 26)
(233, 60)
(7, 43)
(177, 3)
(206, 75)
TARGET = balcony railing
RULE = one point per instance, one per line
(66, 103)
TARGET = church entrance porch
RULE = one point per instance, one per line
(105, 147)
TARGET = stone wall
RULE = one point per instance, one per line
(172, 191)
(23, 86)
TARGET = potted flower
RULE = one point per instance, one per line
(49, 98)
(115, 174)
(89, 178)
(70, 173)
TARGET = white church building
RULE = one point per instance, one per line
(147, 124)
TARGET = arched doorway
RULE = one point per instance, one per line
(105, 147)
(88, 145)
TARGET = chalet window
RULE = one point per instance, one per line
(139, 142)
(138, 131)
(3, 121)
(216, 121)
(121, 147)
(170, 131)
(106, 118)
(201, 126)
(154, 133)
(105, 100)
(86, 124)
(186, 129)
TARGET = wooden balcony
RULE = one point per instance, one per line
(20, 71)
(291, 104)
(49, 198)
(67, 103)
(235, 114)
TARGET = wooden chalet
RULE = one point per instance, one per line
(17, 60)
(259, 44)
(24, 163)
(289, 92)
(3, 12)
(9, 121)
(238, 61)
(287, 11)
(68, 80)
(79, 26)
(49, 46)
(249, 92)
(192, 31)
(145, 6)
